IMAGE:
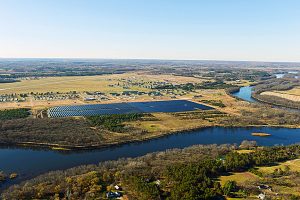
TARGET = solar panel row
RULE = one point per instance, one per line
(124, 108)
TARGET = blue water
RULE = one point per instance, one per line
(279, 75)
(245, 94)
(30, 163)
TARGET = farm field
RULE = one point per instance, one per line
(88, 83)
(106, 84)
(293, 94)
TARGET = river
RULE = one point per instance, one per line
(29, 163)
(245, 93)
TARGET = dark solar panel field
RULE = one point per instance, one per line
(125, 108)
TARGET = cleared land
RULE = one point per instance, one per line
(88, 83)
(106, 84)
(240, 177)
(293, 94)
(282, 182)
(294, 165)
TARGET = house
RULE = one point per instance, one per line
(89, 99)
(117, 187)
(113, 195)
(264, 187)
(261, 196)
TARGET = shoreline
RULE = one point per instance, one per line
(74, 148)
(274, 104)
(262, 101)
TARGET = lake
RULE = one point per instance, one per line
(29, 163)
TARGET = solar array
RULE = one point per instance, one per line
(125, 108)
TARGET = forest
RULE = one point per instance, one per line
(14, 114)
(114, 122)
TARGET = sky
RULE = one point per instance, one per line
(254, 30)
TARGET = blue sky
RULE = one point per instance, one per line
(263, 30)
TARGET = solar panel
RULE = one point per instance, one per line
(124, 108)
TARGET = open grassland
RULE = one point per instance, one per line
(107, 84)
(239, 177)
(292, 97)
(88, 83)
(61, 84)
(294, 91)
(243, 151)
(167, 122)
(283, 179)
(293, 165)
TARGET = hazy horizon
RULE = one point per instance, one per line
(254, 31)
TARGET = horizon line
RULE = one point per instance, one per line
(157, 59)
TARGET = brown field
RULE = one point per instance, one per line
(293, 94)
(87, 83)
(240, 177)
(294, 165)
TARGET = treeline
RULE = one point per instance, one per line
(14, 114)
(192, 86)
(190, 173)
(276, 84)
(218, 103)
(5, 80)
(2, 177)
(114, 122)
(263, 115)
(232, 90)
(276, 100)
(279, 85)
(237, 74)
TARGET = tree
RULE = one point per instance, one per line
(229, 187)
